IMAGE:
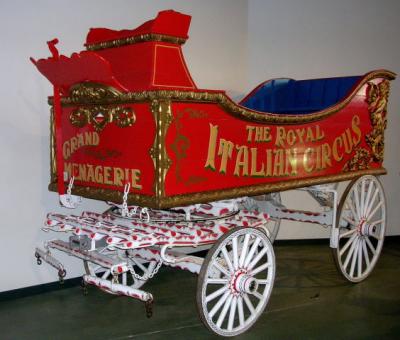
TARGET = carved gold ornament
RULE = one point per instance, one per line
(93, 93)
(360, 161)
(100, 116)
(377, 99)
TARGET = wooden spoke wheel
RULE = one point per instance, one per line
(235, 281)
(141, 268)
(259, 203)
(362, 223)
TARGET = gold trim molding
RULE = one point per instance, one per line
(135, 39)
(228, 105)
(163, 117)
(203, 197)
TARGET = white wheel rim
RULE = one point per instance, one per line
(362, 225)
(126, 278)
(238, 282)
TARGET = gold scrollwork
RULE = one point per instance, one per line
(89, 93)
(360, 161)
(100, 116)
(377, 99)
(135, 39)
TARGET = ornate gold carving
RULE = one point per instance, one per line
(377, 99)
(182, 200)
(100, 116)
(360, 161)
(93, 93)
(234, 109)
(134, 40)
(163, 117)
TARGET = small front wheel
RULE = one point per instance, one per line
(235, 281)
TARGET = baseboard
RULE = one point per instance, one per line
(73, 282)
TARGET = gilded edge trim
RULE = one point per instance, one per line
(135, 39)
(53, 159)
(202, 197)
(231, 107)
(163, 117)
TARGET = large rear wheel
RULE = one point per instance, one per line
(362, 224)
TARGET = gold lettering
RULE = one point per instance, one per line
(210, 163)
(269, 163)
(300, 133)
(254, 172)
(319, 133)
(90, 173)
(107, 174)
(280, 136)
(310, 135)
(278, 162)
(291, 159)
(98, 174)
(225, 151)
(338, 142)
(66, 150)
(118, 177)
(307, 157)
(326, 155)
(242, 160)
(291, 137)
(250, 130)
(136, 179)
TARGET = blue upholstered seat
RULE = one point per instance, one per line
(299, 96)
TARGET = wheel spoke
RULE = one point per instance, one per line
(249, 304)
(235, 253)
(251, 252)
(258, 295)
(375, 210)
(365, 251)
(373, 250)
(224, 310)
(371, 203)
(347, 244)
(260, 268)
(362, 202)
(218, 305)
(232, 313)
(241, 312)
(347, 233)
(244, 250)
(263, 282)
(257, 258)
(217, 281)
(217, 293)
(350, 253)
(350, 221)
(227, 260)
(353, 261)
(220, 268)
(370, 187)
(359, 258)
(357, 201)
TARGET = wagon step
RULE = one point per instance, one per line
(117, 288)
